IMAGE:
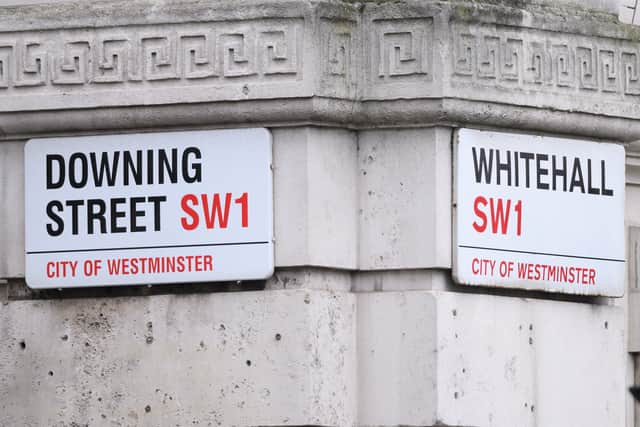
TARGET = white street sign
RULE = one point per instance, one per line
(539, 213)
(149, 208)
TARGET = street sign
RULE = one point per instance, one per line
(539, 213)
(149, 208)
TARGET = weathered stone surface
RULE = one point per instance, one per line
(633, 295)
(423, 358)
(335, 77)
(398, 359)
(251, 358)
(632, 220)
(610, 6)
(605, 5)
(26, 2)
(632, 170)
(405, 198)
(442, 358)
(368, 62)
(324, 279)
(402, 280)
(316, 197)
(11, 209)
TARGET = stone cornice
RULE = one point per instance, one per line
(633, 163)
(144, 64)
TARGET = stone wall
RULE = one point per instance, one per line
(361, 324)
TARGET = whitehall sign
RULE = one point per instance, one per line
(539, 213)
(149, 208)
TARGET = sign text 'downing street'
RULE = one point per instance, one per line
(149, 208)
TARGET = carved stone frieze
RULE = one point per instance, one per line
(525, 60)
(339, 42)
(109, 58)
(401, 52)
(451, 53)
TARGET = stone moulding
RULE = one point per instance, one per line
(568, 70)
(321, 62)
(254, 50)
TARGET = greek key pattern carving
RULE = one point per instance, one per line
(545, 61)
(375, 57)
(402, 50)
(338, 42)
(260, 50)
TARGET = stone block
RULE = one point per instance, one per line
(11, 209)
(405, 198)
(601, 5)
(443, 358)
(24, 2)
(382, 64)
(401, 280)
(322, 279)
(632, 205)
(626, 13)
(397, 359)
(246, 359)
(634, 322)
(315, 197)
(633, 295)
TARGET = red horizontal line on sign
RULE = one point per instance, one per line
(540, 253)
(148, 247)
